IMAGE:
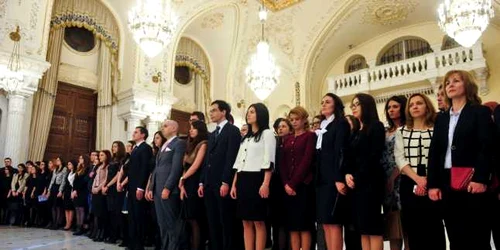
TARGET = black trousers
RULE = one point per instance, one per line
(466, 217)
(226, 231)
(495, 222)
(421, 219)
(136, 216)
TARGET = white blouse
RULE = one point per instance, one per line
(255, 156)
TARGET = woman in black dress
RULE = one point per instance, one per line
(333, 137)
(69, 207)
(5, 181)
(98, 199)
(188, 184)
(79, 195)
(121, 187)
(113, 198)
(30, 195)
(56, 187)
(45, 176)
(365, 174)
(254, 164)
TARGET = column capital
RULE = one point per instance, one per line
(25, 80)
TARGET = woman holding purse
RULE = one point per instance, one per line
(460, 163)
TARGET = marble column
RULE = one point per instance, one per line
(15, 122)
(133, 120)
(152, 126)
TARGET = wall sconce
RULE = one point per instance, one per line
(156, 78)
(240, 104)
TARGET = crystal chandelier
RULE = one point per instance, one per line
(153, 23)
(11, 77)
(262, 74)
(465, 20)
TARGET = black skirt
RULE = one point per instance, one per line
(250, 206)
(99, 203)
(192, 205)
(331, 207)
(367, 211)
(55, 201)
(81, 199)
(67, 201)
(299, 209)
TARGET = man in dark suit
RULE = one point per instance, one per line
(223, 145)
(164, 185)
(137, 180)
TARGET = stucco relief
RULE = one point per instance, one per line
(28, 25)
(213, 21)
(386, 12)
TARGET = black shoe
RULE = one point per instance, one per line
(110, 240)
(79, 232)
(123, 244)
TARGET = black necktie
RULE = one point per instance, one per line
(217, 131)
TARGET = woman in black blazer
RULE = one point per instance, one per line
(365, 174)
(465, 210)
(333, 139)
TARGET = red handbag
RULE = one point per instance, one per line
(461, 177)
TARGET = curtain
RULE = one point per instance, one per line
(45, 98)
(191, 55)
(104, 98)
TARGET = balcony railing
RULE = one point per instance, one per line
(426, 67)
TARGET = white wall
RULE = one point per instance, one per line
(3, 123)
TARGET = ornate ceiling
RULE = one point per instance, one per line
(277, 5)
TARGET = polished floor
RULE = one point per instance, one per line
(17, 238)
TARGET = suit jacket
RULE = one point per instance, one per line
(168, 168)
(334, 145)
(472, 141)
(220, 157)
(139, 167)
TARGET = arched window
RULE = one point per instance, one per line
(355, 63)
(449, 43)
(405, 49)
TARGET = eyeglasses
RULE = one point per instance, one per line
(354, 105)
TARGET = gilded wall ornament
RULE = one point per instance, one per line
(386, 12)
(277, 5)
(213, 21)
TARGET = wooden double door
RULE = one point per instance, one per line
(73, 126)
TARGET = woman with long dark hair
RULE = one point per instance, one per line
(30, 202)
(45, 176)
(16, 194)
(98, 199)
(79, 193)
(6, 193)
(460, 163)
(395, 117)
(113, 199)
(121, 186)
(69, 207)
(56, 188)
(188, 184)
(333, 138)
(254, 163)
(365, 174)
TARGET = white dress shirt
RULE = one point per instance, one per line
(254, 156)
(454, 116)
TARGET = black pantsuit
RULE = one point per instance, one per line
(221, 213)
(224, 229)
(139, 171)
(466, 215)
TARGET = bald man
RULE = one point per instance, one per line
(165, 179)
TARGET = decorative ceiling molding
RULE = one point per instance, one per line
(277, 5)
(213, 21)
(387, 12)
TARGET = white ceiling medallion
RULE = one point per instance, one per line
(386, 12)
